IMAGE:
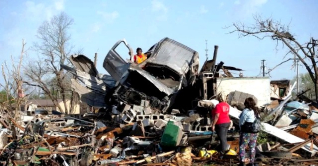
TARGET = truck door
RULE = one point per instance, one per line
(114, 63)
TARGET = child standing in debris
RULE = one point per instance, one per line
(221, 121)
(247, 137)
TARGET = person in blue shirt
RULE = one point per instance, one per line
(247, 137)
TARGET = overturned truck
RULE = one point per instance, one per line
(170, 67)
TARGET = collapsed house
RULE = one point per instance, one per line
(279, 89)
(154, 112)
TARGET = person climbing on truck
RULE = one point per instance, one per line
(139, 57)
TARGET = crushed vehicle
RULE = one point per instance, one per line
(170, 67)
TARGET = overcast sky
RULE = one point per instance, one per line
(99, 24)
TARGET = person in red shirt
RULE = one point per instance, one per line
(221, 122)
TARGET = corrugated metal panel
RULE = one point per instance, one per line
(81, 62)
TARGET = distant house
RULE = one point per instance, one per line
(47, 104)
(279, 89)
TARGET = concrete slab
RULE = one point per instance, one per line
(283, 121)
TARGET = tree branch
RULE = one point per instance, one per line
(301, 59)
(278, 32)
(279, 65)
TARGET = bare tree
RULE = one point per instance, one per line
(54, 48)
(275, 30)
(13, 90)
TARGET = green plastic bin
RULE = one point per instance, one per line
(170, 135)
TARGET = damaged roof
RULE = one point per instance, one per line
(282, 82)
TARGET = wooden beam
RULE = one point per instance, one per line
(159, 155)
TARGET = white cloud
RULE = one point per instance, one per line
(159, 7)
(93, 30)
(256, 3)
(203, 10)
(59, 5)
(32, 15)
(248, 8)
(96, 27)
(109, 16)
(38, 11)
(221, 4)
(34, 9)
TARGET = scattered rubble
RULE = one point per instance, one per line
(156, 113)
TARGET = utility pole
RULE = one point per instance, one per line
(95, 59)
(263, 67)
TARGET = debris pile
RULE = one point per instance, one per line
(154, 113)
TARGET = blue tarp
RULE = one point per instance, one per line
(297, 105)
